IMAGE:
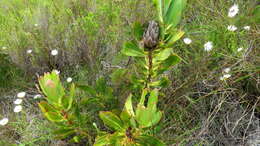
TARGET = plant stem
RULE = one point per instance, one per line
(150, 69)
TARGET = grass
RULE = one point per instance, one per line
(199, 109)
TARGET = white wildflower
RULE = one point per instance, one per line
(29, 51)
(224, 77)
(4, 121)
(56, 71)
(232, 28)
(37, 96)
(187, 41)
(240, 49)
(21, 95)
(36, 25)
(54, 52)
(247, 28)
(4, 48)
(18, 101)
(18, 108)
(233, 11)
(69, 79)
(208, 46)
(227, 70)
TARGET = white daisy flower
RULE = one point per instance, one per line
(54, 52)
(233, 11)
(69, 79)
(4, 48)
(36, 25)
(29, 51)
(18, 108)
(227, 70)
(18, 101)
(247, 28)
(208, 46)
(240, 49)
(56, 71)
(21, 95)
(37, 96)
(187, 41)
(232, 28)
(224, 77)
(4, 121)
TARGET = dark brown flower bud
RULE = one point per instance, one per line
(151, 35)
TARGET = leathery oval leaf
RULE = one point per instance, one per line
(132, 49)
(111, 120)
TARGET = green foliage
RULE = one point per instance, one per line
(130, 127)
(60, 108)
(148, 116)
(9, 74)
(132, 49)
(98, 96)
(256, 14)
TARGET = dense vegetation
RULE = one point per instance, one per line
(211, 97)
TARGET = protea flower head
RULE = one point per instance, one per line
(151, 35)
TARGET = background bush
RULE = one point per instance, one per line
(84, 32)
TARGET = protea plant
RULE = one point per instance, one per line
(153, 44)
(152, 49)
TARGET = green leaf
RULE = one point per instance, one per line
(160, 10)
(153, 99)
(138, 30)
(132, 49)
(128, 111)
(148, 140)
(174, 36)
(102, 140)
(163, 54)
(166, 6)
(174, 12)
(76, 139)
(101, 85)
(143, 96)
(143, 116)
(63, 132)
(51, 86)
(109, 139)
(50, 112)
(68, 100)
(163, 82)
(129, 106)
(87, 89)
(169, 62)
(111, 120)
(148, 116)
